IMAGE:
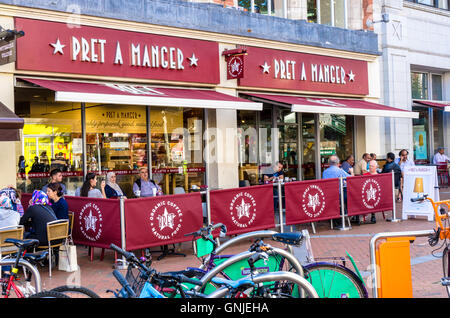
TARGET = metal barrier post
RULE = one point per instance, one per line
(280, 206)
(208, 206)
(341, 190)
(394, 216)
(122, 263)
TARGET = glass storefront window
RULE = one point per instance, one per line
(438, 132)
(308, 147)
(288, 141)
(248, 146)
(336, 137)
(419, 85)
(421, 134)
(177, 148)
(51, 138)
(116, 140)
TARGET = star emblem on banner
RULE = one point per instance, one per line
(265, 67)
(58, 47)
(351, 76)
(193, 59)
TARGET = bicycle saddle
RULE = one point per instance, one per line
(36, 257)
(23, 243)
(294, 238)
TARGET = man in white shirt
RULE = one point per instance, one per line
(440, 157)
(403, 161)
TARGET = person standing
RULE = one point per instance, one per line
(348, 164)
(392, 166)
(145, 187)
(59, 204)
(56, 176)
(361, 166)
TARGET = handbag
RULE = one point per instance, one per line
(68, 258)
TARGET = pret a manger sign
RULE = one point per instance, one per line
(301, 71)
(54, 47)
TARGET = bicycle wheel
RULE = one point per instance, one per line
(446, 266)
(271, 285)
(76, 291)
(49, 294)
(335, 281)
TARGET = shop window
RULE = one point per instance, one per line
(421, 134)
(177, 148)
(51, 138)
(419, 85)
(329, 12)
(288, 141)
(336, 137)
(247, 147)
(308, 147)
(438, 132)
(436, 86)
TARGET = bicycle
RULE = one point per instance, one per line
(28, 261)
(330, 279)
(441, 232)
(151, 284)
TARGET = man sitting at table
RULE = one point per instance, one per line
(440, 157)
(277, 173)
(145, 187)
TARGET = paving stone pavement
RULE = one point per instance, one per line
(326, 242)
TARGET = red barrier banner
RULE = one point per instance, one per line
(162, 220)
(243, 209)
(312, 201)
(96, 221)
(369, 194)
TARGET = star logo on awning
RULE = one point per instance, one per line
(265, 67)
(351, 76)
(58, 47)
(193, 59)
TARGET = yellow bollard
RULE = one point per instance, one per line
(393, 259)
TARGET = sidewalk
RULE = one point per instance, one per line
(426, 269)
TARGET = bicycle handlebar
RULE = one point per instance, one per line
(124, 283)
(422, 198)
(181, 278)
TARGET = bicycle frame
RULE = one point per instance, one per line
(445, 231)
(13, 276)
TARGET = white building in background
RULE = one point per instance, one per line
(415, 74)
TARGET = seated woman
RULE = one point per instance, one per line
(112, 189)
(15, 197)
(88, 189)
(59, 204)
(38, 214)
(8, 217)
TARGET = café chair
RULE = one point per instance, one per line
(14, 232)
(442, 173)
(57, 236)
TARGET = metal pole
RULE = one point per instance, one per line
(149, 144)
(373, 242)
(341, 190)
(394, 216)
(83, 138)
(280, 206)
(123, 262)
(208, 205)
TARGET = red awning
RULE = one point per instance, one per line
(138, 94)
(445, 106)
(357, 107)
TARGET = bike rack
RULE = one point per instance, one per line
(373, 255)
(33, 270)
(245, 255)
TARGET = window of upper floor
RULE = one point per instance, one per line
(441, 4)
(426, 86)
(329, 12)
